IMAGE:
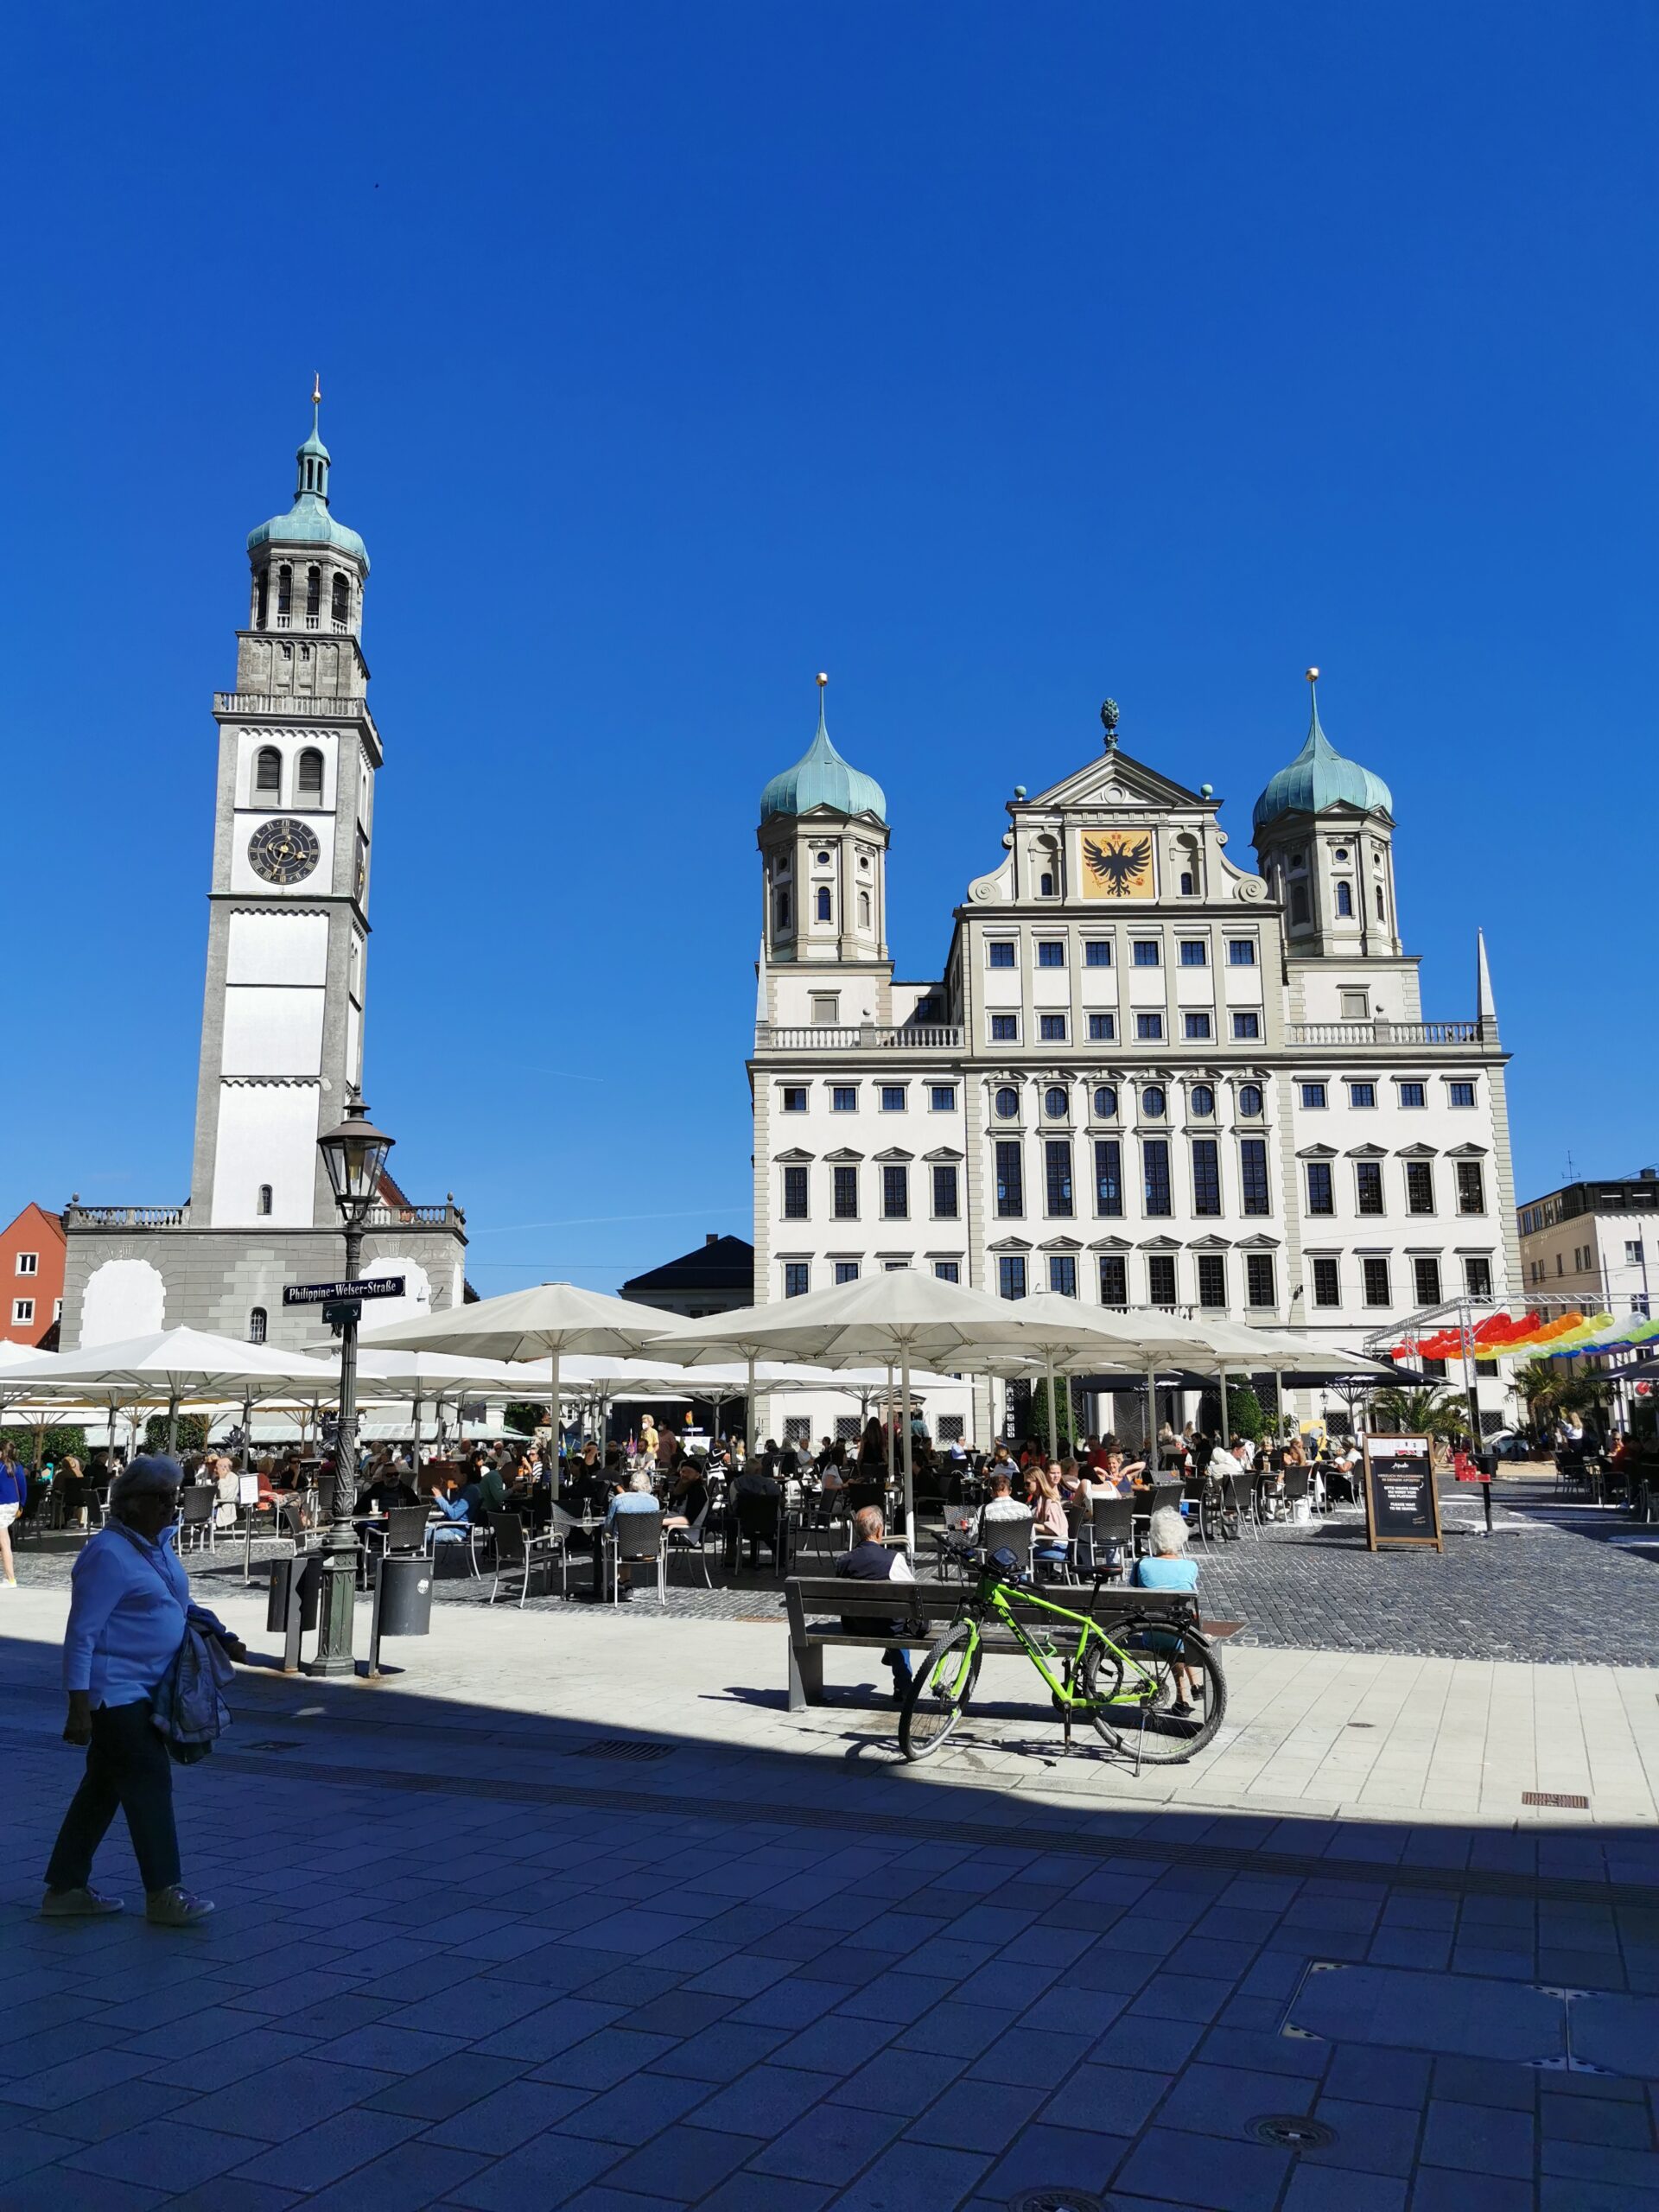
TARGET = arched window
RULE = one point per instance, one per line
(1203, 1099)
(342, 599)
(284, 592)
(783, 910)
(308, 782)
(268, 773)
(313, 592)
(257, 1321)
(1299, 902)
(264, 1207)
(1381, 915)
(1345, 899)
(1056, 1104)
(1006, 1102)
(864, 910)
(823, 902)
(262, 599)
(1044, 886)
(1152, 1100)
(1187, 883)
(1106, 1102)
(1250, 1099)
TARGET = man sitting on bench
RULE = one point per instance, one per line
(870, 1561)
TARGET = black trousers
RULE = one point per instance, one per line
(127, 1765)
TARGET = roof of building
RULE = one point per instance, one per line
(1318, 777)
(719, 1263)
(308, 521)
(822, 778)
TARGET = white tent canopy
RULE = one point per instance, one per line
(173, 1368)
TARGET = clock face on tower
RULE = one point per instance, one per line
(283, 851)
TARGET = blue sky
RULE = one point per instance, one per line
(992, 358)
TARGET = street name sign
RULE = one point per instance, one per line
(324, 1294)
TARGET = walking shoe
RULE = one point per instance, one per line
(77, 1905)
(176, 1908)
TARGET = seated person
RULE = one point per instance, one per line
(688, 1497)
(1002, 1508)
(448, 1502)
(1116, 1475)
(1051, 1531)
(584, 1490)
(758, 1499)
(871, 1561)
(1166, 1566)
(638, 1498)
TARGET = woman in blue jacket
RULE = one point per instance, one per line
(14, 1488)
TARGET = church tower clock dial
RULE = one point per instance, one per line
(283, 852)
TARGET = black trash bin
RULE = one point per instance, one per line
(291, 1609)
(403, 1601)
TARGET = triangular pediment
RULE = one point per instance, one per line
(1115, 780)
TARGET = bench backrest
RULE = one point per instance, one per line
(811, 1597)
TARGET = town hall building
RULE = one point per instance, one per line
(283, 1019)
(1146, 1076)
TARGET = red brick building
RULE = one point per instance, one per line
(31, 1276)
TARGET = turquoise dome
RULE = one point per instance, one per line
(1320, 777)
(822, 778)
(308, 521)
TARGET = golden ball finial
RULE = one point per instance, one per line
(822, 679)
(1313, 674)
(316, 389)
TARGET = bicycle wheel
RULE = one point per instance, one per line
(939, 1691)
(1137, 1707)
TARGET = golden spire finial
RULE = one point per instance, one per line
(822, 679)
(316, 389)
(1313, 674)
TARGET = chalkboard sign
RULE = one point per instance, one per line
(1402, 1506)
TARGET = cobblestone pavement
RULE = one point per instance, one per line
(1554, 1584)
(640, 1952)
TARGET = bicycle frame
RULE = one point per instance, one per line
(992, 1595)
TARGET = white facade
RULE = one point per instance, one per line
(1137, 1079)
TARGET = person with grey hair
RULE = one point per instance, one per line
(1166, 1566)
(638, 1498)
(128, 1606)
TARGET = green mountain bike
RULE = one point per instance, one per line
(1155, 1691)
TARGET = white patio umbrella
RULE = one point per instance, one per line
(175, 1367)
(1067, 1337)
(544, 1323)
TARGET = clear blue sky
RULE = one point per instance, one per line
(991, 358)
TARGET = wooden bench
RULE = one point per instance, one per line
(925, 1609)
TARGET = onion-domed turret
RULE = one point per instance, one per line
(1320, 778)
(822, 778)
(308, 521)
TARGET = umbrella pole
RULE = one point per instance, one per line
(415, 1446)
(1225, 1429)
(889, 1424)
(909, 1472)
(748, 1418)
(1151, 1419)
(172, 1425)
(553, 1415)
(1054, 1426)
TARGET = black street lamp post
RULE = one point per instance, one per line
(355, 1156)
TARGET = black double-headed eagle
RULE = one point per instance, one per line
(1115, 864)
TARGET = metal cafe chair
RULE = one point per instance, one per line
(690, 1542)
(517, 1554)
(637, 1540)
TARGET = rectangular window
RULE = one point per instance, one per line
(1113, 1280)
(1460, 1094)
(1247, 1025)
(1376, 1272)
(844, 1098)
(948, 1270)
(794, 1098)
(1313, 1095)
(1212, 1280)
(1050, 952)
(1328, 1289)
(1010, 1180)
(1063, 1273)
(895, 1191)
(942, 1098)
(1632, 1246)
(845, 1187)
(892, 1098)
(826, 1010)
(1109, 1176)
(1412, 1094)
(1005, 1029)
(1252, 1175)
(1419, 1186)
(1368, 1186)
(28, 1263)
(1098, 953)
(1321, 1197)
(22, 1310)
(1148, 1027)
(1206, 1176)
(945, 1191)
(1056, 1175)
(1196, 1025)
(998, 953)
(1154, 1160)
(1472, 1197)
(1102, 1027)
(1160, 1278)
(1051, 1027)
(797, 1277)
(1260, 1288)
(1146, 953)
(846, 1270)
(794, 1194)
(1362, 1094)
(1478, 1277)
(1195, 953)
(1241, 952)
(1425, 1273)
(1011, 1275)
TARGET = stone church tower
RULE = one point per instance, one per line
(282, 1019)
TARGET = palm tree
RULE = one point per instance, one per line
(1430, 1411)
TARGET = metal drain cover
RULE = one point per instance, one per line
(276, 1744)
(1054, 2200)
(1292, 2131)
(619, 1747)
